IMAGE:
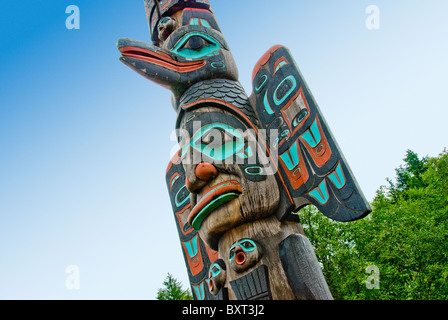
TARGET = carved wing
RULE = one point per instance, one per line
(310, 162)
(198, 256)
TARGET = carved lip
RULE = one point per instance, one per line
(213, 198)
(240, 258)
(161, 59)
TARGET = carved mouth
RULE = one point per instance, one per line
(161, 59)
(213, 198)
(240, 258)
(210, 284)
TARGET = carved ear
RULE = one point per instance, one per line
(311, 165)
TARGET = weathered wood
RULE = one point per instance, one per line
(268, 233)
(302, 269)
(235, 187)
(257, 197)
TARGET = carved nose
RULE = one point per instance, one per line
(206, 172)
(203, 173)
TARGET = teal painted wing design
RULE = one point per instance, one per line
(310, 163)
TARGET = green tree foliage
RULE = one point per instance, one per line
(173, 290)
(408, 176)
(406, 237)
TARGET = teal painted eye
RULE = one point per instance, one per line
(164, 21)
(300, 117)
(248, 245)
(196, 45)
(215, 270)
(218, 141)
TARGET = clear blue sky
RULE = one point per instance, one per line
(84, 141)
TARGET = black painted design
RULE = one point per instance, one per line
(253, 286)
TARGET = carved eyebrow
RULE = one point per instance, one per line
(253, 245)
(223, 133)
(218, 126)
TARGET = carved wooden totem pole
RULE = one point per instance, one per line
(246, 165)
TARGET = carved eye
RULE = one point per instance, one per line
(217, 137)
(218, 141)
(164, 22)
(196, 45)
(215, 270)
(248, 245)
(300, 116)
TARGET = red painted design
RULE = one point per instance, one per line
(288, 105)
(322, 152)
(196, 9)
(212, 193)
(206, 171)
(180, 222)
(264, 59)
(161, 59)
(212, 254)
(277, 63)
(299, 175)
(221, 102)
(165, 5)
(195, 263)
(174, 159)
(174, 176)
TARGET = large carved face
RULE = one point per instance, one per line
(227, 171)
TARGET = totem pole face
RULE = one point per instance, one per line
(188, 47)
(227, 173)
(244, 254)
(217, 276)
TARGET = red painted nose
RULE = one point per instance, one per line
(204, 173)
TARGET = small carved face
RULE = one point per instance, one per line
(217, 277)
(244, 254)
(166, 26)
